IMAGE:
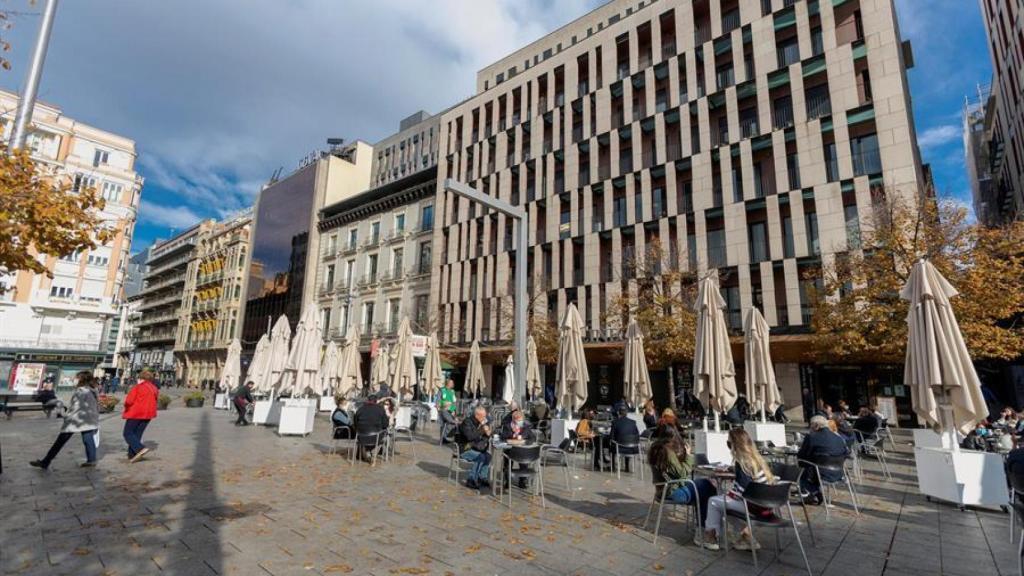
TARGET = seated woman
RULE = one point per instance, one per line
(650, 417)
(749, 467)
(584, 430)
(668, 425)
(670, 459)
(341, 418)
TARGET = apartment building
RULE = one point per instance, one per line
(286, 240)
(997, 168)
(65, 322)
(412, 149)
(163, 303)
(212, 303)
(377, 259)
(747, 136)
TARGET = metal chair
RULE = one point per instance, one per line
(457, 464)
(873, 445)
(664, 487)
(403, 425)
(773, 497)
(835, 464)
(343, 435)
(547, 451)
(445, 428)
(373, 441)
(528, 460)
(1017, 513)
(628, 449)
(792, 474)
(543, 431)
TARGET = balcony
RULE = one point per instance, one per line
(43, 342)
(204, 279)
(394, 236)
(368, 279)
(151, 319)
(171, 281)
(349, 248)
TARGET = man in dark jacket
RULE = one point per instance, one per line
(473, 438)
(515, 427)
(242, 397)
(817, 446)
(371, 418)
(624, 431)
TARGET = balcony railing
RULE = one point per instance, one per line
(46, 343)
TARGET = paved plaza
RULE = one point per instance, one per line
(217, 499)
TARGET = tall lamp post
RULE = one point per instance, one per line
(519, 317)
(28, 99)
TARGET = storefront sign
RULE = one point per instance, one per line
(27, 377)
(419, 346)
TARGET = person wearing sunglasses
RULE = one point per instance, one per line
(749, 467)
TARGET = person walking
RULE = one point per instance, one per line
(82, 417)
(139, 409)
(242, 397)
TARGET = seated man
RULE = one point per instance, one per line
(473, 438)
(515, 427)
(341, 418)
(446, 409)
(624, 431)
(371, 419)
(866, 424)
(818, 444)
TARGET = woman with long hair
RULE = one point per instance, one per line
(749, 467)
(670, 459)
(82, 417)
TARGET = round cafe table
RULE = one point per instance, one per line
(498, 448)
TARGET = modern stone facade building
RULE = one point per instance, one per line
(1002, 128)
(211, 305)
(67, 322)
(162, 303)
(747, 136)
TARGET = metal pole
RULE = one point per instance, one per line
(35, 72)
(521, 301)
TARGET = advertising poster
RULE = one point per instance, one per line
(28, 377)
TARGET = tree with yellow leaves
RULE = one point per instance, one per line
(660, 297)
(858, 313)
(41, 215)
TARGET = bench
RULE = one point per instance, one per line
(11, 402)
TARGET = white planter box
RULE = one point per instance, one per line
(267, 412)
(560, 429)
(327, 404)
(433, 412)
(766, 432)
(297, 417)
(927, 438)
(963, 477)
(220, 402)
(714, 445)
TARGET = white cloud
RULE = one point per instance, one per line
(170, 216)
(220, 94)
(940, 136)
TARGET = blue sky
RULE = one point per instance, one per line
(220, 93)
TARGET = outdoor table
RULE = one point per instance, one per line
(602, 434)
(717, 474)
(786, 453)
(497, 475)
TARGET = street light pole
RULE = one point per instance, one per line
(519, 317)
(28, 98)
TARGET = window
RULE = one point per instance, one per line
(350, 268)
(343, 320)
(866, 158)
(716, 248)
(375, 232)
(325, 320)
(831, 162)
(658, 207)
(368, 318)
(724, 76)
(852, 226)
(396, 263)
(425, 257)
(394, 313)
(427, 218)
(329, 281)
(399, 223)
(421, 309)
(61, 292)
(782, 112)
(788, 52)
(758, 233)
(332, 244)
(817, 41)
(793, 170)
(788, 248)
(97, 260)
(353, 238)
(811, 222)
(100, 158)
(619, 210)
(112, 192)
(371, 268)
(818, 102)
(82, 181)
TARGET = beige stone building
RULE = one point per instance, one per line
(210, 316)
(747, 136)
(66, 322)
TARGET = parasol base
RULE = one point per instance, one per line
(766, 432)
(220, 402)
(297, 416)
(714, 445)
(962, 477)
(267, 412)
(326, 403)
(560, 428)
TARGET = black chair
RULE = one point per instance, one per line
(528, 466)
(836, 465)
(662, 488)
(628, 448)
(773, 497)
(792, 474)
(1017, 513)
(372, 441)
(701, 460)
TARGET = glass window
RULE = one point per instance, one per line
(758, 238)
(811, 221)
(831, 163)
(427, 217)
(788, 250)
(399, 223)
(866, 157)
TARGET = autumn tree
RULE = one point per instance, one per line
(40, 214)
(660, 296)
(858, 312)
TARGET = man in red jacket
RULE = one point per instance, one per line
(139, 409)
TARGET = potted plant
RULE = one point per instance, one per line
(194, 399)
(163, 401)
(107, 402)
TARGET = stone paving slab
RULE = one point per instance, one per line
(217, 499)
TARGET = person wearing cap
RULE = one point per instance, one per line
(139, 409)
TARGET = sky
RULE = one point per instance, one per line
(218, 94)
